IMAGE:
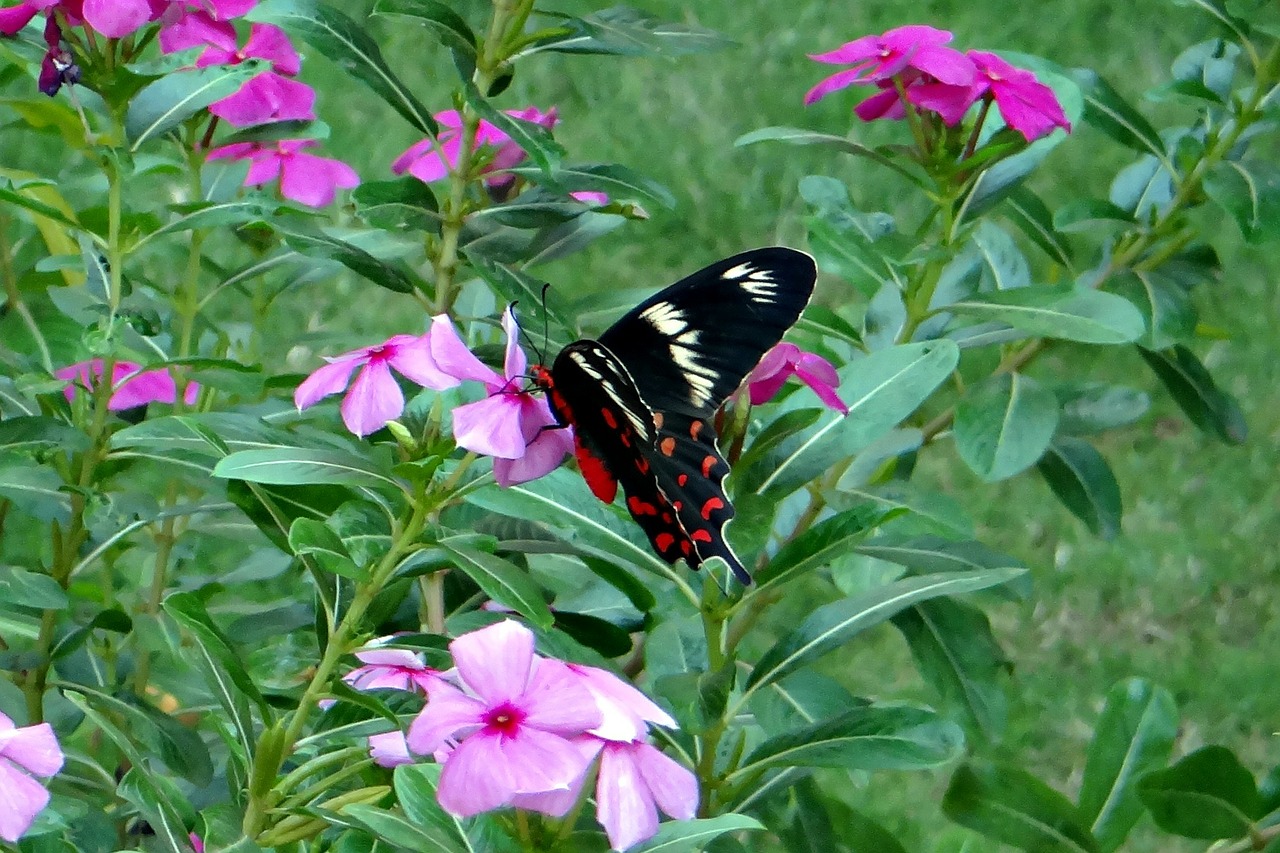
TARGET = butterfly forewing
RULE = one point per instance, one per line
(641, 398)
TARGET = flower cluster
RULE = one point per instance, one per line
(513, 728)
(912, 66)
(24, 750)
(132, 384)
(507, 424)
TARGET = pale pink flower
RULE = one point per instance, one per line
(134, 386)
(375, 397)
(396, 669)
(786, 360)
(27, 750)
(625, 712)
(389, 749)
(511, 424)
(1027, 105)
(878, 58)
(305, 178)
(512, 724)
(634, 781)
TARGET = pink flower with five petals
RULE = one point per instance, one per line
(133, 385)
(430, 161)
(24, 750)
(512, 722)
(511, 424)
(375, 397)
(396, 669)
(879, 58)
(786, 360)
(270, 96)
(1027, 105)
(305, 178)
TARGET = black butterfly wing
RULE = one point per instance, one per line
(689, 346)
(615, 435)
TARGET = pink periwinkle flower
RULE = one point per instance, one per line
(396, 669)
(134, 386)
(270, 96)
(512, 721)
(26, 750)
(1027, 105)
(510, 424)
(425, 162)
(374, 397)
(878, 58)
(786, 360)
(192, 23)
(389, 749)
(305, 178)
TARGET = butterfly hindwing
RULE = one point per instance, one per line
(641, 399)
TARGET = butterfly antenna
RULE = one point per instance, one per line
(523, 336)
(545, 330)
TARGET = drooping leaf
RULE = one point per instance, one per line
(624, 31)
(1208, 794)
(1004, 425)
(821, 544)
(404, 204)
(1059, 311)
(689, 836)
(1212, 410)
(1010, 805)
(312, 241)
(1106, 110)
(1081, 478)
(503, 582)
(300, 466)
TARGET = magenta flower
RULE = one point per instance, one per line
(35, 750)
(786, 360)
(425, 162)
(879, 58)
(512, 723)
(14, 18)
(111, 18)
(397, 669)
(509, 423)
(389, 749)
(270, 96)
(134, 385)
(374, 397)
(635, 780)
(304, 178)
(191, 23)
(1027, 105)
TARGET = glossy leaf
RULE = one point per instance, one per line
(309, 536)
(1081, 478)
(616, 180)
(1086, 214)
(802, 699)
(415, 787)
(33, 488)
(36, 432)
(316, 243)
(1208, 794)
(203, 214)
(831, 625)
(534, 139)
(1010, 805)
(1059, 311)
(1028, 212)
(957, 654)
(403, 205)
(1134, 734)
(1113, 115)
(163, 105)
(801, 136)
(625, 31)
(1166, 306)
(1211, 409)
(1004, 425)
(1094, 407)
(1248, 192)
(21, 588)
(345, 42)
(871, 737)
(689, 836)
(503, 582)
(936, 554)
(299, 466)
(821, 544)
(447, 25)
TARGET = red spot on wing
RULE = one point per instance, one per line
(711, 506)
(686, 547)
(694, 429)
(625, 437)
(676, 505)
(708, 463)
(640, 507)
(667, 446)
(657, 420)
(599, 480)
(609, 419)
(642, 465)
(682, 479)
(664, 541)
(700, 535)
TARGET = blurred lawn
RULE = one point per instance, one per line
(1185, 596)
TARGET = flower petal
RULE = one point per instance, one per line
(515, 362)
(557, 803)
(448, 712)
(495, 661)
(329, 379)
(673, 786)
(116, 18)
(389, 749)
(373, 400)
(491, 426)
(623, 803)
(539, 761)
(837, 81)
(21, 799)
(557, 700)
(476, 777)
(858, 50)
(452, 356)
(33, 747)
(620, 701)
(269, 42)
(541, 456)
(411, 357)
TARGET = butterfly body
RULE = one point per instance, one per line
(641, 399)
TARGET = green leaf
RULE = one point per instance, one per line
(831, 625)
(936, 554)
(402, 205)
(345, 42)
(450, 27)
(415, 787)
(1212, 410)
(871, 737)
(1028, 212)
(800, 136)
(958, 655)
(21, 588)
(1083, 481)
(1106, 110)
(802, 699)
(35, 432)
(309, 536)
(515, 285)
(33, 488)
(204, 214)
(503, 582)
(29, 194)
(1059, 311)
(1004, 425)
(1084, 214)
(398, 831)
(1010, 805)
(624, 31)
(1135, 734)
(618, 181)
(993, 185)
(299, 466)
(1208, 794)
(176, 97)
(881, 390)
(1165, 304)
(317, 244)
(821, 544)
(1249, 192)
(1093, 407)
(690, 836)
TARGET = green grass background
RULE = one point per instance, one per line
(1186, 596)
